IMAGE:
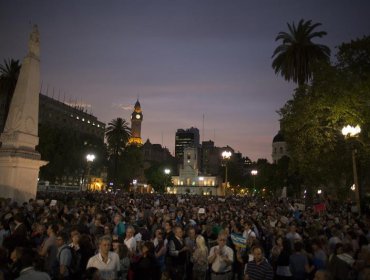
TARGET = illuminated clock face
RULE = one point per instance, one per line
(138, 116)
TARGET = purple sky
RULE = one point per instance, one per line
(182, 58)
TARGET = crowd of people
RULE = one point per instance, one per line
(162, 236)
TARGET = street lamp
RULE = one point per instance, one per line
(167, 172)
(351, 132)
(254, 173)
(90, 159)
(226, 156)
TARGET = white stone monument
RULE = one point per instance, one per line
(19, 161)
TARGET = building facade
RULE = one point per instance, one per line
(136, 120)
(185, 138)
(54, 113)
(190, 180)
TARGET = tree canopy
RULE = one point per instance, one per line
(295, 58)
(312, 121)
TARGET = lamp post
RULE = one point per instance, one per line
(167, 173)
(352, 132)
(90, 159)
(254, 173)
(226, 156)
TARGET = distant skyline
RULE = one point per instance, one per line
(183, 59)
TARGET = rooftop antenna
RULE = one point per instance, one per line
(203, 130)
(47, 89)
(64, 97)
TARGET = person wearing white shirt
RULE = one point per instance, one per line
(248, 233)
(107, 262)
(221, 258)
(130, 240)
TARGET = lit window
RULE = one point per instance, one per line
(98, 125)
(93, 123)
(83, 119)
(88, 121)
(77, 117)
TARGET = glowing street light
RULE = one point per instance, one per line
(90, 159)
(352, 132)
(226, 155)
(254, 173)
(167, 172)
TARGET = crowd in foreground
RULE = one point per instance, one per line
(158, 236)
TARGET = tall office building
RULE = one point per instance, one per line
(186, 138)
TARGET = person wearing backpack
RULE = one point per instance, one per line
(64, 257)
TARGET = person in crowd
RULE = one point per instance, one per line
(106, 261)
(87, 250)
(15, 266)
(178, 253)
(283, 260)
(200, 259)
(75, 240)
(341, 265)
(191, 245)
(221, 258)
(258, 268)
(298, 262)
(146, 267)
(92, 273)
(160, 248)
(293, 235)
(48, 250)
(319, 258)
(323, 275)
(4, 268)
(119, 226)
(64, 256)
(248, 233)
(4, 231)
(130, 240)
(28, 272)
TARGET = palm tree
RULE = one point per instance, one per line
(118, 133)
(9, 73)
(295, 57)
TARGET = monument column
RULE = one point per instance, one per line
(19, 161)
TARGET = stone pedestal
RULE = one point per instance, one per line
(19, 172)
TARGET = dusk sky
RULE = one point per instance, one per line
(182, 58)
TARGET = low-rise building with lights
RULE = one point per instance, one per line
(190, 181)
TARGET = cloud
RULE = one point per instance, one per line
(123, 106)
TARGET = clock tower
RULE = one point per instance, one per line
(136, 119)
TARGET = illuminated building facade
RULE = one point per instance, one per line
(136, 120)
(189, 179)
